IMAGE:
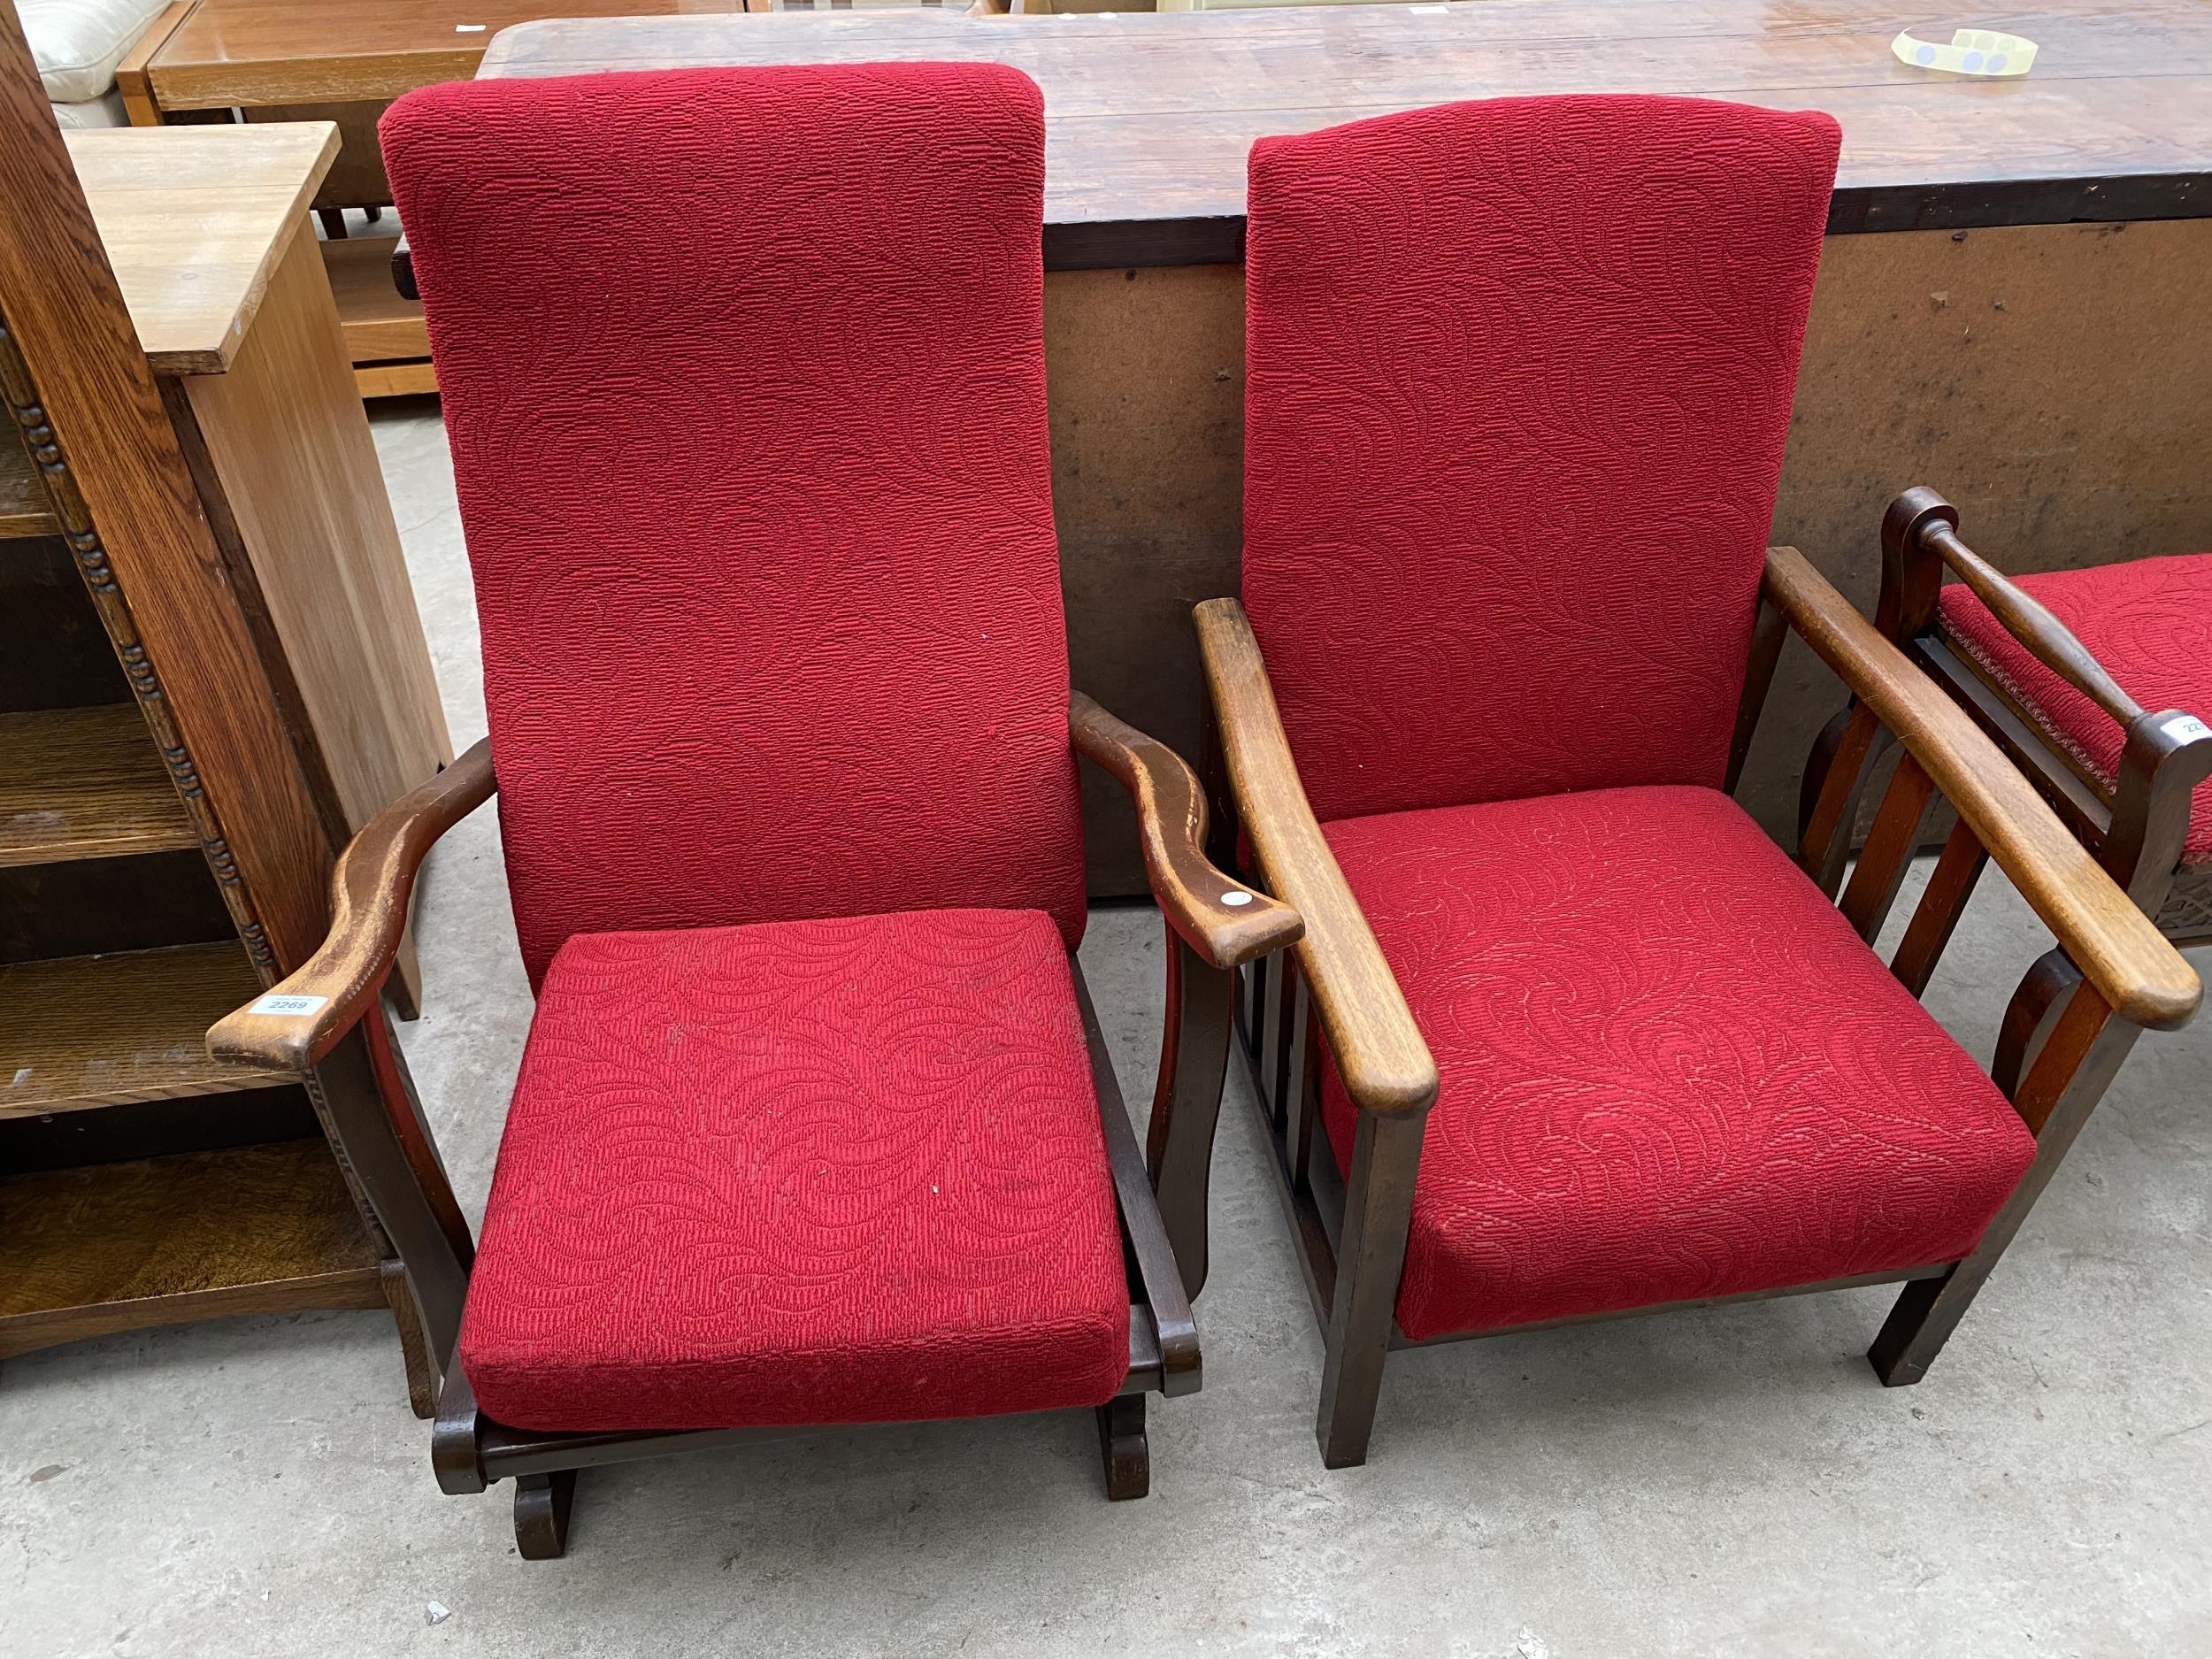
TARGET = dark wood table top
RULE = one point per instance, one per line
(229, 53)
(1150, 114)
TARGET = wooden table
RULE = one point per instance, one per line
(1150, 115)
(2001, 312)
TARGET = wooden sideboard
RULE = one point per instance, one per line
(211, 672)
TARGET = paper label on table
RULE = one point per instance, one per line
(470, 28)
(2186, 728)
(1983, 53)
(291, 1006)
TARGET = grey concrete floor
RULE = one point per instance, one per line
(1727, 1483)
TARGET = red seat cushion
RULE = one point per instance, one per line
(826, 1171)
(743, 372)
(1671, 1069)
(1519, 380)
(2148, 621)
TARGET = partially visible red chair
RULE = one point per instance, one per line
(815, 1124)
(1567, 1036)
(2095, 682)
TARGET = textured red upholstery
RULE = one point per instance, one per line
(1671, 1069)
(2149, 622)
(743, 372)
(843, 1170)
(1520, 375)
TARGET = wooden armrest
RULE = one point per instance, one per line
(2134, 969)
(2043, 636)
(1379, 1051)
(1224, 921)
(370, 890)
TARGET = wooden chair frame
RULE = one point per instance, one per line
(360, 1083)
(1351, 1232)
(2136, 824)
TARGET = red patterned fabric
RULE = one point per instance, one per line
(1520, 375)
(843, 1170)
(743, 372)
(2149, 622)
(1671, 1069)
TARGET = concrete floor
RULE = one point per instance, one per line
(1726, 1483)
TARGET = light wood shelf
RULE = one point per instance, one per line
(85, 783)
(378, 320)
(385, 336)
(23, 508)
(118, 1247)
(78, 1032)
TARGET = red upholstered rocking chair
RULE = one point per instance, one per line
(2095, 682)
(1567, 1036)
(815, 1124)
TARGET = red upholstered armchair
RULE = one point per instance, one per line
(2095, 682)
(815, 1124)
(1567, 1036)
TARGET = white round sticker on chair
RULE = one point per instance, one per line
(2186, 728)
(1236, 898)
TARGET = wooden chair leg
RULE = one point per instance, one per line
(542, 1506)
(1377, 1206)
(422, 1376)
(2065, 1081)
(1186, 1102)
(1123, 1448)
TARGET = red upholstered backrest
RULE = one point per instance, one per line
(743, 372)
(1520, 377)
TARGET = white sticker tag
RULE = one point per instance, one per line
(470, 28)
(1236, 898)
(290, 1006)
(2186, 728)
